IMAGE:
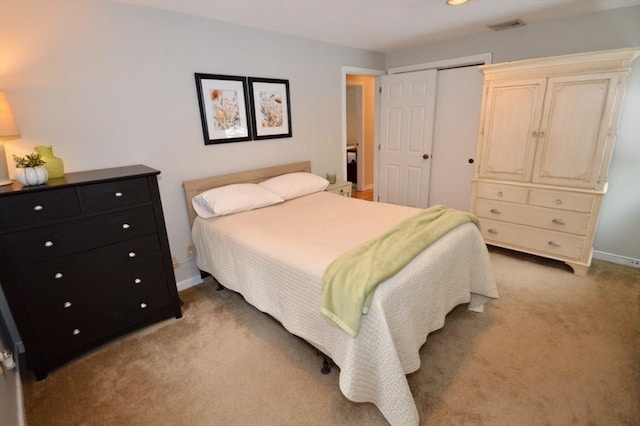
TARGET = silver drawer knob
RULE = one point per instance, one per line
(58, 275)
(143, 305)
(494, 211)
(137, 281)
(558, 221)
(500, 194)
(118, 194)
(554, 244)
(558, 201)
(48, 244)
(492, 231)
(126, 226)
(132, 254)
(76, 331)
(38, 208)
(67, 305)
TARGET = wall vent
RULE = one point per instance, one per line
(507, 25)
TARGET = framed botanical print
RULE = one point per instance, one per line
(270, 107)
(223, 108)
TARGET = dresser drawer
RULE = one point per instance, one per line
(82, 321)
(104, 271)
(553, 243)
(38, 207)
(562, 200)
(514, 194)
(55, 241)
(541, 217)
(114, 194)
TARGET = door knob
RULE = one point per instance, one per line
(425, 156)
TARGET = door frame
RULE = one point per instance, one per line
(359, 71)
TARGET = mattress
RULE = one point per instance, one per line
(275, 257)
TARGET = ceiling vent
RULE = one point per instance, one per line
(507, 25)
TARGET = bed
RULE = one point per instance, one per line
(275, 257)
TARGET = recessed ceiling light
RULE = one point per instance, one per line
(456, 2)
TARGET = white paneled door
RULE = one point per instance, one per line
(407, 110)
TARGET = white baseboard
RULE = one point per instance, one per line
(22, 415)
(615, 258)
(188, 283)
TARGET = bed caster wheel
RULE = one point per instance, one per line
(326, 368)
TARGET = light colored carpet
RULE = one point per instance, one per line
(555, 349)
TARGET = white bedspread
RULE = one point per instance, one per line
(275, 258)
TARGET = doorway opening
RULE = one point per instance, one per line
(359, 108)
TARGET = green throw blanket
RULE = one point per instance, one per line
(349, 282)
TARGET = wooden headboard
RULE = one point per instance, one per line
(196, 186)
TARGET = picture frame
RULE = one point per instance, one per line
(270, 108)
(224, 113)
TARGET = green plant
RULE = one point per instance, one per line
(30, 160)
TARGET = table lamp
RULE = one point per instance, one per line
(8, 128)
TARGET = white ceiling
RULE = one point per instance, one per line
(380, 25)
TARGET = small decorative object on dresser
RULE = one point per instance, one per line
(53, 164)
(340, 187)
(30, 169)
(84, 259)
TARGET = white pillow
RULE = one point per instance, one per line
(234, 198)
(294, 185)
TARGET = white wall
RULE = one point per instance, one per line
(109, 84)
(619, 224)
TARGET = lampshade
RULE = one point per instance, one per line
(8, 126)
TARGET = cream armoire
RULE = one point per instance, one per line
(547, 130)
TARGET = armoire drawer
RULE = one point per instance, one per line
(115, 194)
(514, 194)
(553, 243)
(540, 217)
(55, 241)
(38, 207)
(561, 200)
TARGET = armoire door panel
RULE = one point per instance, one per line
(574, 129)
(512, 116)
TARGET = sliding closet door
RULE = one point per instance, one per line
(407, 107)
(455, 136)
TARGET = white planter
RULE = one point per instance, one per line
(29, 176)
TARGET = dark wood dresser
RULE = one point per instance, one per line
(83, 259)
